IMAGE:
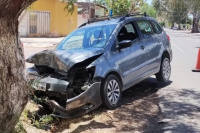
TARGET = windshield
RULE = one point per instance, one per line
(88, 37)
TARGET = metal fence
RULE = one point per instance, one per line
(39, 22)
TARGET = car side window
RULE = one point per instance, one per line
(145, 28)
(156, 27)
(127, 32)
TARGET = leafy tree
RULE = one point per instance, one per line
(194, 9)
(162, 11)
(13, 86)
(171, 10)
(136, 5)
(70, 6)
(149, 9)
(177, 10)
(124, 6)
(119, 6)
(189, 20)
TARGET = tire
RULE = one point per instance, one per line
(165, 71)
(111, 98)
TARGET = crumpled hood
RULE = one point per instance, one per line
(63, 59)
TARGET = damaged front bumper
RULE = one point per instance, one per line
(81, 104)
(56, 92)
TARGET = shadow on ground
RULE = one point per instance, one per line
(181, 110)
(139, 111)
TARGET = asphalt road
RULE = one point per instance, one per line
(179, 100)
(185, 50)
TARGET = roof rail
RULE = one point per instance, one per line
(97, 19)
(134, 14)
(92, 20)
(123, 16)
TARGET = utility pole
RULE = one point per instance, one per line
(89, 10)
(111, 10)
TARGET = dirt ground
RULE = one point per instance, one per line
(139, 112)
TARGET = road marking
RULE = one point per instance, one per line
(173, 44)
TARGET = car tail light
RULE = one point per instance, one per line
(168, 38)
(22, 44)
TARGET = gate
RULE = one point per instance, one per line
(39, 22)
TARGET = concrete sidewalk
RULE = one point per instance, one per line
(41, 42)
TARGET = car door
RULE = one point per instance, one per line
(120, 58)
(161, 39)
(134, 62)
(150, 43)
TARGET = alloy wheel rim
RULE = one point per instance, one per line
(113, 92)
(166, 69)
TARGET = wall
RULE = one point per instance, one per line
(23, 26)
(99, 11)
(82, 19)
(62, 23)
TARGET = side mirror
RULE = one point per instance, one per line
(124, 44)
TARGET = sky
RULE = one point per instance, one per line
(149, 1)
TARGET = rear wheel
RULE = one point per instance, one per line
(111, 92)
(165, 71)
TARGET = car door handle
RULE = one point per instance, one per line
(142, 47)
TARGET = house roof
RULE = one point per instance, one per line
(101, 6)
(84, 6)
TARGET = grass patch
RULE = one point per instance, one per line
(19, 128)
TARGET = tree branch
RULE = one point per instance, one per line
(11, 9)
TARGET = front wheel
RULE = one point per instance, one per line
(111, 92)
(165, 71)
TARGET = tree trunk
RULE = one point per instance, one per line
(13, 89)
(195, 26)
(179, 26)
(172, 26)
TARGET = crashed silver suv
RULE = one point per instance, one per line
(99, 60)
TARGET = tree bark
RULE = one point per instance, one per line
(179, 26)
(172, 26)
(13, 91)
(195, 26)
(13, 88)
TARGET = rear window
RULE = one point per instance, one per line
(145, 27)
(157, 28)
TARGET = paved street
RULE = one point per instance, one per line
(179, 100)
